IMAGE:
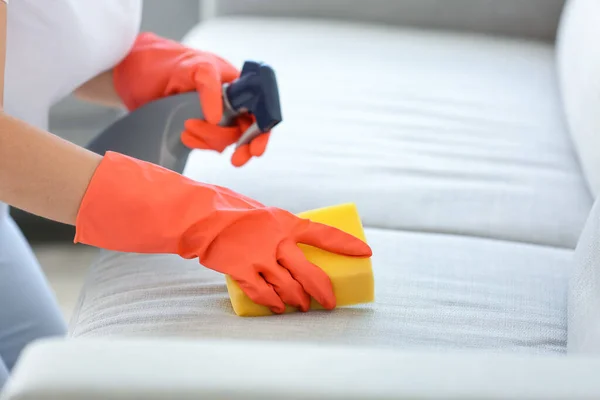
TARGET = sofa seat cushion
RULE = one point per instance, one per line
(425, 131)
(433, 291)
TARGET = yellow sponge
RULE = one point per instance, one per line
(352, 278)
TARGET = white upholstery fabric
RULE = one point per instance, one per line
(579, 71)
(584, 291)
(432, 291)
(116, 369)
(424, 131)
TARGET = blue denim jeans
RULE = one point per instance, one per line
(28, 308)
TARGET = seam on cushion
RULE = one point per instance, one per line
(75, 316)
(469, 236)
(74, 321)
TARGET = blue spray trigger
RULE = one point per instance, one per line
(256, 92)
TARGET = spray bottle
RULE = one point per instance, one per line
(152, 132)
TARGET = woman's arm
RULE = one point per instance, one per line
(40, 172)
(100, 90)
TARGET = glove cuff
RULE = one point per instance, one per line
(128, 206)
(135, 206)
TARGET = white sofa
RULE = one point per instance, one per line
(468, 136)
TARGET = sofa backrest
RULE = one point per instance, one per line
(526, 18)
(578, 63)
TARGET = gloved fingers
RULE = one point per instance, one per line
(208, 85)
(312, 278)
(241, 156)
(259, 145)
(191, 141)
(288, 289)
(333, 240)
(244, 153)
(261, 292)
(244, 121)
(218, 138)
(255, 148)
(229, 72)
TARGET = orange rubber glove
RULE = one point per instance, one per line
(199, 134)
(134, 206)
(157, 67)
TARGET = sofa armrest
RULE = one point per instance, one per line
(584, 289)
(179, 369)
(537, 19)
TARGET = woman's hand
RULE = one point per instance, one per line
(199, 134)
(260, 252)
(158, 67)
(134, 206)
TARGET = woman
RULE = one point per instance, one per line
(93, 48)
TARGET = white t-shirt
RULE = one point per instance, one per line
(53, 46)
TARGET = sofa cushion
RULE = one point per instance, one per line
(432, 291)
(425, 131)
(578, 55)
